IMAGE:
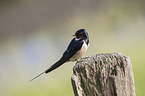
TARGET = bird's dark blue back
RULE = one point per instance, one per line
(75, 45)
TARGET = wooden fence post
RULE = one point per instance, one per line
(107, 74)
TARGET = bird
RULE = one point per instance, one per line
(75, 50)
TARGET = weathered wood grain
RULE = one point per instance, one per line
(107, 74)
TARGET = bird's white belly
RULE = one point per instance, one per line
(80, 53)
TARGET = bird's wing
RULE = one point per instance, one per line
(73, 48)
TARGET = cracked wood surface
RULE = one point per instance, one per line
(107, 74)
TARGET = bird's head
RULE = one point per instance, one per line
(81, 33)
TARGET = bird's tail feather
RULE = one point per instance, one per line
(56, 65)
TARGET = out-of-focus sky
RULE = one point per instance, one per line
(35, 33)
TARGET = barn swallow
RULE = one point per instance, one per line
(74, 51)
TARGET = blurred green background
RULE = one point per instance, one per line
(35, 33)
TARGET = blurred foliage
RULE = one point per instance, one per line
(34, 34)
(3, 2)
